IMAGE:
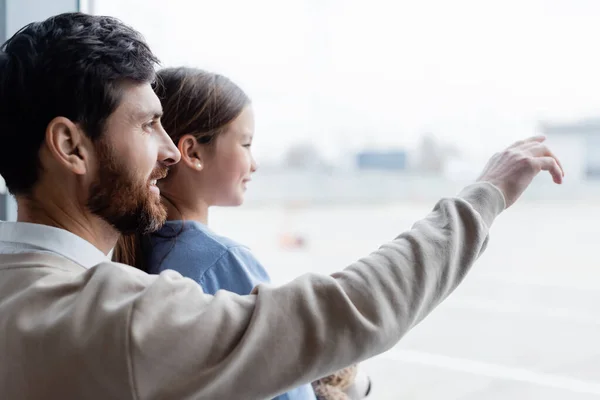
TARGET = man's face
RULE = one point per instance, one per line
(132, 154)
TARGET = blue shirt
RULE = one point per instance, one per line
(215, 262)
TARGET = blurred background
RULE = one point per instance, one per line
(369, 112)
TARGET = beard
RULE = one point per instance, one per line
(123, 200)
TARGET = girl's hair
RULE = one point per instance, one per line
(194, 102)
(198, 103)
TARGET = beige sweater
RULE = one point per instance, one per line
(113, 332)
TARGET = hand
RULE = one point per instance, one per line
(513, 169)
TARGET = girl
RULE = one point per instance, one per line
(211, 121)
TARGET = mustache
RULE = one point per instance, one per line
(160, 172)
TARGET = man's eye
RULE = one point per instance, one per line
(149, 125)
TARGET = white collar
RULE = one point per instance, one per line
(36, 237)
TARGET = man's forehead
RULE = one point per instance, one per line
(140, 101)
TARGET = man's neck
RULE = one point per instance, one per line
(70, 217)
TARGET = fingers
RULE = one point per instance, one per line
(541, 150)
(551, 165)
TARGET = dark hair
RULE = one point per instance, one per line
(70, 65)
(194, 102)
(129, 250)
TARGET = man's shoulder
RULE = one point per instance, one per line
(52, 277)
(48, 263)
(38, 259)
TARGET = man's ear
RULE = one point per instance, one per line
(68, 145)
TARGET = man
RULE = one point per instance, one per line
(82, 148)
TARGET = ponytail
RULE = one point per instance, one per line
(129, 251)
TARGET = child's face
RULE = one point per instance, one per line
(231, 164)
